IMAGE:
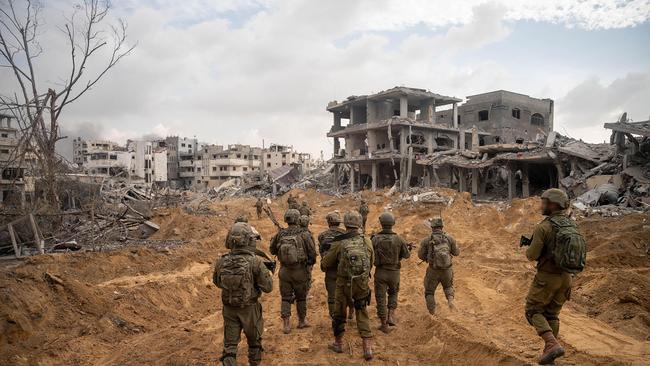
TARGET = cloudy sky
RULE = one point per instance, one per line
(247, 70)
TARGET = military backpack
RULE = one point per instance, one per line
(291, 250)
(355, 259)
(236, 280)
(326, 240)
(439, 251)
(386, 252)
(570, 248)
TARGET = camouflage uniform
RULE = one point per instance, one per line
(437, 274)
(389, 249)
(295, 280)
(246, 316)
(324, 244)
(364, 210)
(292, 203)
(305, 210)
(259, 205)
(551, 287)
(350, 289)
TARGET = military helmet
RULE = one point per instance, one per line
(333, 218)
(556, 195)
(387, 219)
(291, 216)
(436, 222)
(240, 235)
(241, 218)
(303, 221)
(352, 219)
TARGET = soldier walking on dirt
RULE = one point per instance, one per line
(324, 243)
(364, 210)
(292, 202)
(560, 251)
(259, 206)
(304, 209)
(242, 276)
(437, 250)
(297, 254)
(352, 255)
(389, 249)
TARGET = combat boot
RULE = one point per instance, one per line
(286, 325)
(337, 346)
(367, 349)
(450, 302)
(391, 318)
(302, 323)
(552, 349)
(384, 325)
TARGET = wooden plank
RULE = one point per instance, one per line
(37, 236)
(12, 234)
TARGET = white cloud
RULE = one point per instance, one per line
(242, 71)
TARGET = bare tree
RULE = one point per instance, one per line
(38, 107)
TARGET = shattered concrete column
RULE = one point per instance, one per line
(461, 139)
(525, 182)
(431, 142)
(403, 107)
(372, 142)
(426, 110)
(352, 115)
(475, 140)
(454, 115)
(337, 146)
(475, 183)
(374, 176)
(403, 144)
(462, 180)
(511, 183)
(352, 174)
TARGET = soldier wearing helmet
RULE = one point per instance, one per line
(324, 243)
(304, 209)
(352, 256)
(551, 286)
(437, 250)
(364, 210)
(390, 249)
(296, 252)
(242, 277)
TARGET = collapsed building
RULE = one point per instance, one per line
(384, 133)
(12, 167)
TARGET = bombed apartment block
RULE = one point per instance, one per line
(219, 164)
(508, 117)
(384, 133)
(277, 155)
(12, 168)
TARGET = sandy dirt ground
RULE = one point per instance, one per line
(141, 306)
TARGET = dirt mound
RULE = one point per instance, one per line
(158, 307)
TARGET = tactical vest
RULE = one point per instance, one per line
(325, 240)
(439, 251)
(387, 251)
(236, 280)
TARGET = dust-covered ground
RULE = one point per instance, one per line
(158, 307)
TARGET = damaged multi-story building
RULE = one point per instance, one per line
(385, 132)
(277, 155)
(508, 117)
(12, 167)
(219, 164)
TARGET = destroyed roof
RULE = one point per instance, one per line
(284, 175)
(636, 128)
(395, 92)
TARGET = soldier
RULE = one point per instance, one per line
(559, 250)
(242, 277)
(389, 249)
(352, 255)
(364, 210)
(297, 254)
(324, 243)
(292, 202)
(437, 251)
(259, 205)
(307, 237)
(304, 209)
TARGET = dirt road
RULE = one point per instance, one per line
(158, 307)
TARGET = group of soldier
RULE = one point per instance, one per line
(347, 258)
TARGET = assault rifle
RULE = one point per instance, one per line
(524, 241)
(411, 246)
(271, 216)
(269, 263)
